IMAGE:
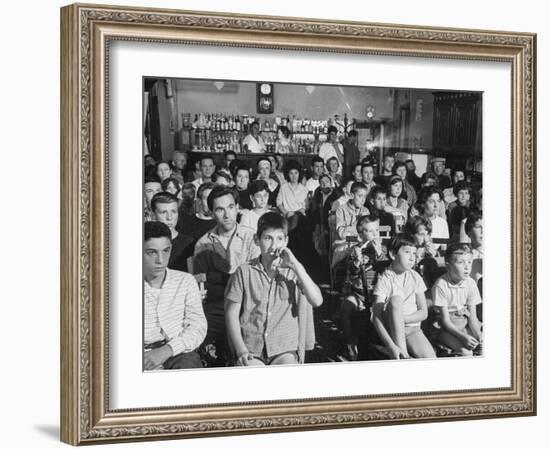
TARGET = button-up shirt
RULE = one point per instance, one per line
(456, 296)
(212, 258)
(174, 312)
(269, 310)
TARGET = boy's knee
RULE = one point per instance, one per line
(427, 353)
(395, 301)
(285, 359)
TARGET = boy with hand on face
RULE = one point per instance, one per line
(266, 300)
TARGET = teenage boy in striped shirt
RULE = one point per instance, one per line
(174, 321)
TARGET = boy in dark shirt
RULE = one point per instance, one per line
(202, 220)
(377, 203)
(164, 207)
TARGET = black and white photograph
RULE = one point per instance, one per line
(295, 224)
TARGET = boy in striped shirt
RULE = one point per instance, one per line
(174, 321)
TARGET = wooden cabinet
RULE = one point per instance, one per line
(457, 125)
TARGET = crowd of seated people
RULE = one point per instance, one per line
(403, 251)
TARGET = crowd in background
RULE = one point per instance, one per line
(402, 250)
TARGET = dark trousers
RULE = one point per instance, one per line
(184, 360)
(216, 335)
(215, 317)
(181, 361)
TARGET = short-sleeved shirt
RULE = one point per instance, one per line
(440, 228)
(292, 198)
(249, 218)
(312, 184)
(269, 307)
(254, 145)
(212, 256)
(456, 296)
(182, 249)
(406, 285)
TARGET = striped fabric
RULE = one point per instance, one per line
(174, 312)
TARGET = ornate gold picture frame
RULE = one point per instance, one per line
(87, 31)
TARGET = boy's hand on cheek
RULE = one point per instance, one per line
(288, 259)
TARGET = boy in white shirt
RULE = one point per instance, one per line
(259, 195)
(456, 296)
(400, 304)
(430, 199)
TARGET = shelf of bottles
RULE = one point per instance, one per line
(216, 132)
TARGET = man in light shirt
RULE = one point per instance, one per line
(332, 148)
(208, 168)
(218, 253)
(367, 174)
(253, 142)
(317, 169)
(174, 321)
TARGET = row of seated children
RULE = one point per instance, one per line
(389, 284)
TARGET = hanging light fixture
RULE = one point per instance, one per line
(219, 84)
(310, 89)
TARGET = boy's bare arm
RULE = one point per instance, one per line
(378, 322)
(422, 313)
(447, 325)
(474, 323)
(232, 311)
(309, 288)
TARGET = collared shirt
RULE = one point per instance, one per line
(269, 310)
(212, 257)
(456, 296)
(197, 183)
(406, 285)
(340, 202)
(328, 150)
(174, 312)
(254, 145)
(346, 219)
(312, 184)
(292, 198)
(249, 218)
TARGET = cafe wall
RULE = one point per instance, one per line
(320, 104)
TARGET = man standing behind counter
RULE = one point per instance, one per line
(253, 142)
